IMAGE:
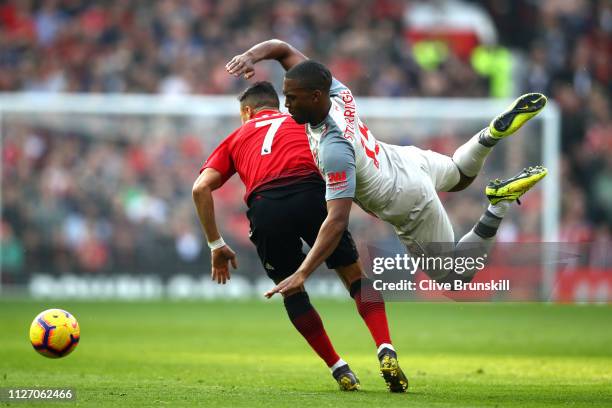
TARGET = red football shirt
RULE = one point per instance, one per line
(268, 151)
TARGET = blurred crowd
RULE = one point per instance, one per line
(74, 203)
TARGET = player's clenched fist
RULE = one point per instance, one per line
(219, 259)
(241, 65)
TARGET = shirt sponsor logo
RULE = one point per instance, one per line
(336, 177)
(337, 181)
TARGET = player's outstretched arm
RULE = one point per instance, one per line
(331, 231)
(208, 181)
(278, 50)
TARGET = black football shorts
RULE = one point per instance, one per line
(281, 218)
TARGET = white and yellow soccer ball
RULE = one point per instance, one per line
(54, 333)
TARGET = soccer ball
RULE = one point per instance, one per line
(54, 333)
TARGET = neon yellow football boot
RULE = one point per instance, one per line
(513, 188)
(391, 372)
(346, 378)
(518, 113)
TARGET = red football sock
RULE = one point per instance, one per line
(308, 322)
(371, 308)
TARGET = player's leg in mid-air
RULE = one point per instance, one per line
(369, 302)
(274, 232)
(431, 234)
(470, 157)
(433, 225)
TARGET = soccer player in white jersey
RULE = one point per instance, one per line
(398, 184)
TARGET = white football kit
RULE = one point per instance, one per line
(398, 184)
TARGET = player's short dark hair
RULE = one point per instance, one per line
(311, 75)
(260, 94)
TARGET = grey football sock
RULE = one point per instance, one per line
(485, 138)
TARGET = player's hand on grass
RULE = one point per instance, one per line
(219, 259)
(293, 282)
(241, 65)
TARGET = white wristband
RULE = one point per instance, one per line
(216, 244)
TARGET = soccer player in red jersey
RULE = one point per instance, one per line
(286, 198)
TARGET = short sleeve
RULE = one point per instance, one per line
(221, 160)
(338, 160)
(337, 87)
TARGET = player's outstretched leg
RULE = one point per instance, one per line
(308, 322)
(501, 194)
(470, 157)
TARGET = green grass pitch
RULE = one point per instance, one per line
(246, 354)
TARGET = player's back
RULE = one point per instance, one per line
(271, 150)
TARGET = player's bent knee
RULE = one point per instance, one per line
(464, 181)
(350, 273)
